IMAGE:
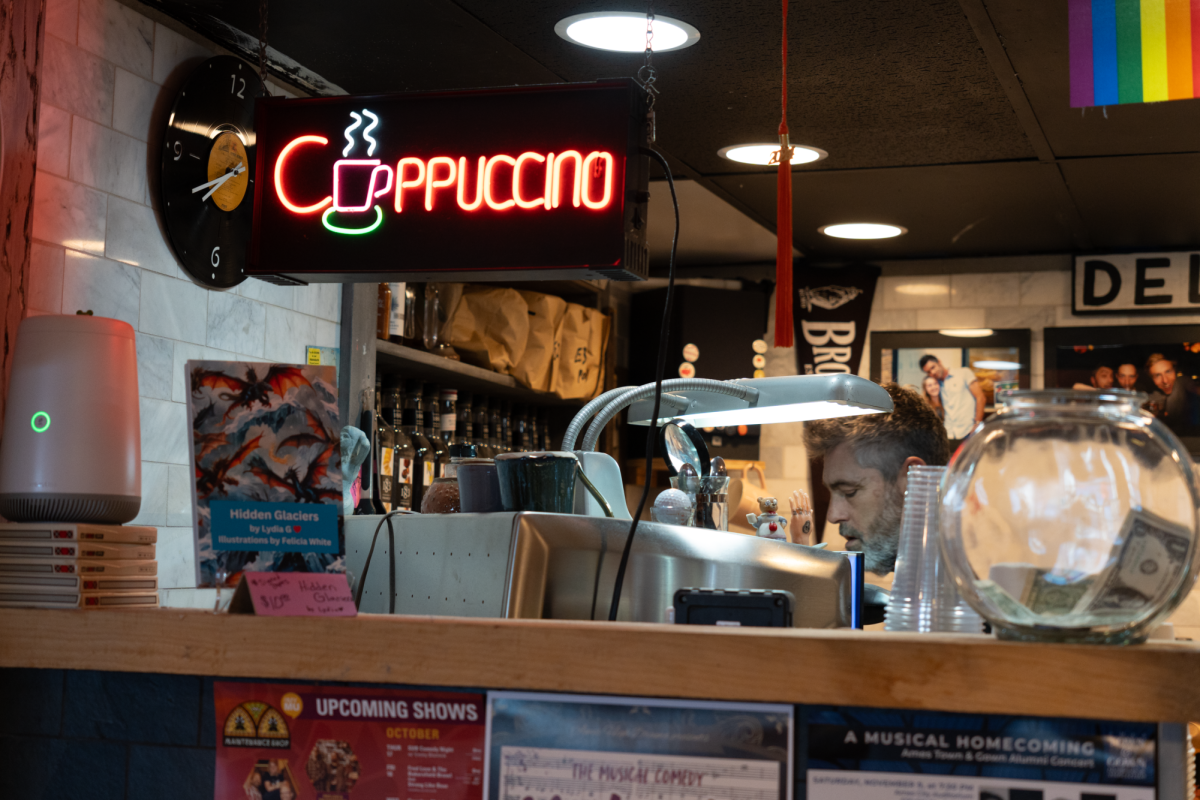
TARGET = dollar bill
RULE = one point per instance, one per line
(1047, 593)
(1148, 558)
(1009, 606)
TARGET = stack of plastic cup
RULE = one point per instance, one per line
(924, 598)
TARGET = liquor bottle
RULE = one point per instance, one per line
(383, 312)
(432, 412)
(409, 422)
(506, 426)
(495, 434)
(520, 430)
(531, 428)
(385, 486)
(544, 437)
(405, 458)
(479, 428)
(461, 445)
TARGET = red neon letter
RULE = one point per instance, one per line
(549, 190)
(462, 184)
(371, 193)
(488, 183)
(434, 183)
(587, 179)
(402, 184)
(572, 155)
(521, 159)
(283, 154)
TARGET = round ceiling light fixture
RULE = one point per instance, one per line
(625, 32)
(862, 230)
(767, 155)
(966, 333)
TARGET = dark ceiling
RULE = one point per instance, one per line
(948, 117)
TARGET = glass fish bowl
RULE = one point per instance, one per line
(1071, 516)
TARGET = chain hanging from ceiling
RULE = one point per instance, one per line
(647, 75)
(262, 46)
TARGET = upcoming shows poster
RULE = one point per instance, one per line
(569, 747)
(294, 742)
(268, 484)
(876, 754)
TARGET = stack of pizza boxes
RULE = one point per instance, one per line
(77, 565)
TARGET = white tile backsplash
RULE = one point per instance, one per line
(173, 308)
(282, 296)
(117, 34)
(107, 160)
(937, 318)
(236, 323)
(68, 214)
(133, 236)
(165, 436)
(172, 51)
(929, 291)
(288, 332)
(155, 357)
(106, 288)
(986, 290)
(1020, 317)
(179, 495)
(1045, 288)
(154, 496)
(77, 81)
(62, 19)
(54, 140)
(133, 105)
(320, 300)
(45, 278)
(176, 558)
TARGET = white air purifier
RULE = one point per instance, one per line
(72, 439)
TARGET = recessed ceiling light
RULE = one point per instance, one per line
(767, 154)
(996, 364)
(625, 32)
(966, 333)
(862, 230)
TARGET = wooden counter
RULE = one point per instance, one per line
(1153, 682)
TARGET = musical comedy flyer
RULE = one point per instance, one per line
(294, 742)
(572, 747)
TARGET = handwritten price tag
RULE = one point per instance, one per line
(300, 594)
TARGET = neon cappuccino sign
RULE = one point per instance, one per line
(533, 178)
(565, 178)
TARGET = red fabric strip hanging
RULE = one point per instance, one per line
(783, 219)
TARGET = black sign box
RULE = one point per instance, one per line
(521, 183)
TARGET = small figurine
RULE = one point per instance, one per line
(768, 523)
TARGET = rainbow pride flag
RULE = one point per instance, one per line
(1133, 51)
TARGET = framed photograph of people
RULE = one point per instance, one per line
(959, 376)
(1161, 361)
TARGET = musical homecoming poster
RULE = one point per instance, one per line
(293, 742)
(878, 754)
(572, 747)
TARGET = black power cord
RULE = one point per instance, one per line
(652, 432)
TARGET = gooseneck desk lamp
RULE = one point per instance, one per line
(710, 403)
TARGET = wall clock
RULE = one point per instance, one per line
(207, 176)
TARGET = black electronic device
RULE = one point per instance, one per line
(747, 608)
(207, 173)
(510, 183)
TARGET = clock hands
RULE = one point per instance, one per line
(217, 183)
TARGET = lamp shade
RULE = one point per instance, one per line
(792, 398)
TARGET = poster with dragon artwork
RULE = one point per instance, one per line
(267, 486)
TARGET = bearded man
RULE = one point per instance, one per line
(866, 469)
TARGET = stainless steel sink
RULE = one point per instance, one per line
(561, 566)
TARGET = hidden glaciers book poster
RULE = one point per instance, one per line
(265, 455)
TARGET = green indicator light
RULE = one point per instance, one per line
(354, 231)
(40, 421)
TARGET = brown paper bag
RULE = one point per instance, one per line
(545, 315)
(577, 371)
(489, 328)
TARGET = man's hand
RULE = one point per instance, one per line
(800, 531)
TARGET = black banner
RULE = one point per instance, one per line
(832, 310)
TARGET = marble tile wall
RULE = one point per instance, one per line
(99, 244)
